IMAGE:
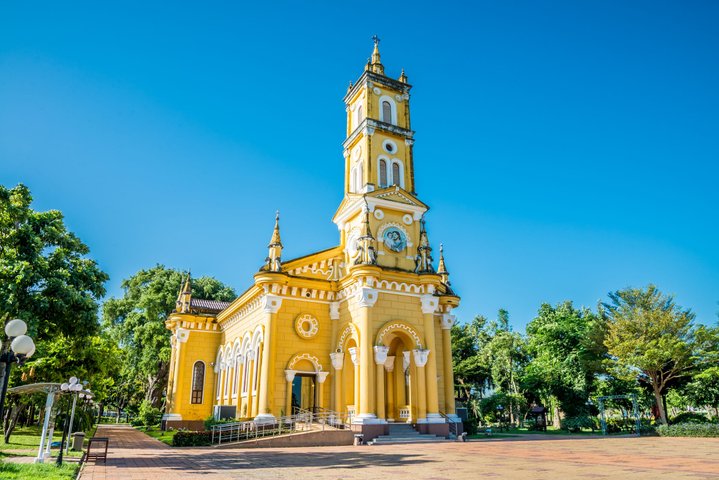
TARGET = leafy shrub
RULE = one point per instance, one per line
(690, 417)
(192, 439)
(148, 414)
(576, 424)
(689, 430)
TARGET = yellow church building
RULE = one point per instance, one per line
(361, 329)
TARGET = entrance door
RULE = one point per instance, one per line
(303, 391)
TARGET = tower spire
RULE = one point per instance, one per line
(273, 262)
(403, 77)
(442, 268)
(376, 61)
(423, 260)
(184, 298)
(366, 252)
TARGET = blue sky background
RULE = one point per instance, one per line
(567, 149)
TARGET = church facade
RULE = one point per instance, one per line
(361, 329)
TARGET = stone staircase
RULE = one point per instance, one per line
(404, 433)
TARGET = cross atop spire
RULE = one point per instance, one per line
(375, 64)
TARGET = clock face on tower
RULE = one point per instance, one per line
(394, 239)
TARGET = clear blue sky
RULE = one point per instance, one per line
(567, 149)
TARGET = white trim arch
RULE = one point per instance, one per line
(400, 169)
(392, 107)
(387, 171)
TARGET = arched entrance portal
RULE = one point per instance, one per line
(304, 376)
(400, 398)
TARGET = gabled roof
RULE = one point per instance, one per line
(397, 194)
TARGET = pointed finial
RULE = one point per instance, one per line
(423, 259)
(273, 262)
(184, 298)
(366, 252)
(403, 77)
(349, 87)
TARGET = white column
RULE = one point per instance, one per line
(48, 408)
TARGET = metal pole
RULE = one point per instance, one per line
(48, 408)
(72, 417)
(62, 442)
(8, 357)
(601, 413)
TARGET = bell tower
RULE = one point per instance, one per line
(379, 183)
(378, 147)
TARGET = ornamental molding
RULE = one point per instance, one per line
(380, 354)
(354, 355)
(271, 303)
(322, 376)
(350, 331)
(421, 356)
(182, 335)
(447, 321)
(405, 360)
(290, 375)
(306, 326)
(243, 312)
(334, 310)
(389, 364)
(305, 356)
(398, 326)
(367, 297)
(338, 360)
(429, 303)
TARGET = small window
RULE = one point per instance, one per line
(395, 174)
(386, 112)
(198, 382)
(382, 173)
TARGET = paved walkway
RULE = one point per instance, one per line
(135, 456)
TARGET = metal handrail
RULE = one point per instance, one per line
(301, 420)
(452, 424)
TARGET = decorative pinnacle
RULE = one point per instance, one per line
(376, 62)
(403, 77)
(275, 241)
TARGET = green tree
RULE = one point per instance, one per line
(45, 276)
(137, 322)
(566, 346)
(651, 336)
(703, 388)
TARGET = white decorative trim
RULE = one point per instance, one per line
(380, 354)
(407, 219)
(378, 214)
(354, 355)
(349, 331)
(182, 335)
(338, 360)
(392, 108)
(271, 303)
(396, 225)
(377, 91)
(399, 326)
(405, 362)
(334, 310)
(306, 320)
(367, 297)
(290, 375)
(421, 356)
(171, 417)
(322, 376)
(305, 356)
(392, 150)
(389, 364)
(429, 303)
(447, 321)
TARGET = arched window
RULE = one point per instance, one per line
(236, 382)
(396, 179)
(245, 376)
(198, 382)
(387, 112)
(228, 376)
(257, 369)
(382, 173)
(360, 115)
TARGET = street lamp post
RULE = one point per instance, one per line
(73, 386)
(21, 348)
(500, 409)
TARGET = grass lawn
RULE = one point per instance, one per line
(154, 432)
(45, 471)
(25, 441)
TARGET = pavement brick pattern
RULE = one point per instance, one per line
(135, 456)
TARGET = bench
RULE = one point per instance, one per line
(97, 449)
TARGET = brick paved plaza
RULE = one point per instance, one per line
(135, 456)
